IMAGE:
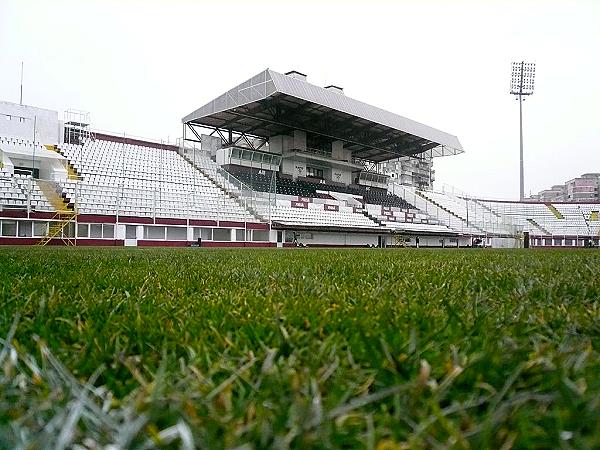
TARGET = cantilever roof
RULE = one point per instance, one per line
(271, 103)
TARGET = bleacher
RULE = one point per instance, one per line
(385, 210)
(395, 217)
(11, 194)
(498, 217)
(318, 212)
(137, 180)
(310, 187)
(560, 219)
(128, 179)
(20, 192)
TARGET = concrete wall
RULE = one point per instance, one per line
(18, 121)
(339, 152)
(210, 144)
(281, 144)
(299, 140)
(49, 168)
(341, 175)
(293, 167)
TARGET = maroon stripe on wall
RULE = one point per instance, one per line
(93, 218)
(15, 214)
(165, 221)
(133, 219)
(224, 223)
(209, 223)
(59, 242)
(145, 243)
(238, 244)
(336, 245)
(41, 215)
(257, 226)
(100, 242)
(18, 241)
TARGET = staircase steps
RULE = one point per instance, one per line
(452, 213)
(50, 191)
(539, 227)
(554, 211)
(229, 194)
(72, 173)
(486, 207)
(373, 218)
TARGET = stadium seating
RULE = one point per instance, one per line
(392, 215)
(383, 209)
(135, 180)
(309, 187)
(540, 218)
(20, 192)
(497, 217)
(127, 179)
(319, 213)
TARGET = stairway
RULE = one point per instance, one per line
(554, 211)
(539, 227)
(452, 213)
(373, 218)
(60, 221)
(72, 173)
(205, 173)
(240, 202)
(486, 207)
(50, 191)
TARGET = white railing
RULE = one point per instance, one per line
(260, 203)
(461, 213)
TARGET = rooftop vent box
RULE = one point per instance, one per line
(296, 75)
(336, 89)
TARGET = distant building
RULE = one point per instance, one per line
(580, 189)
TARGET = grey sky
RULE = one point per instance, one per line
(140, 66)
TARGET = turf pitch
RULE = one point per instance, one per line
(300, 348)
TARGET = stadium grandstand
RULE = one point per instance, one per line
(275, 161)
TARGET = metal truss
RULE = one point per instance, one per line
(229, 137)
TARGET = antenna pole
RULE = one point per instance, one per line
(33, 153)
(21, 98)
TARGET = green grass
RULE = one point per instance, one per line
(374, 349)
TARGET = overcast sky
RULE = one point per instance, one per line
(140, 66)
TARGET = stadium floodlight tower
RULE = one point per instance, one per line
(521, 84)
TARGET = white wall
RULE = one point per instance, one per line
(290, 166)
(506, 243)
(345, 175)
(7, 165)
(18, 121)
(322, 238)
(210, 144)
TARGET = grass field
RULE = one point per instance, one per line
(374, 349)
